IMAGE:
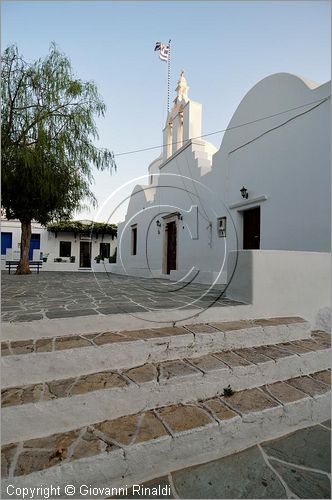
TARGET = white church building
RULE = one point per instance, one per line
(259, 205)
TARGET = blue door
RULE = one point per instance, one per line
(34, 244)
(6, 242)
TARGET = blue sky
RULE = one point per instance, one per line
(224, 47)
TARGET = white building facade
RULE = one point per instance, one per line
(60, 251)
(266, 188)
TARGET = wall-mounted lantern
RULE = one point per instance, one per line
(244, 192)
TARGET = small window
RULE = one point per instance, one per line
(134, 240)
(104, 250)
(65, 249)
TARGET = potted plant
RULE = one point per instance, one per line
(72, 259)
(97, 259)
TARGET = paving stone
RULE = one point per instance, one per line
(304, 483)
(285, 393)
(227, 326)
(142, 374)
(60, 388)
(133, 428)
(44, 345)
(293, 348)
(69, 314)
(90, 336)
(88, 445)
(12, 396)
(7, 454)
(5, 349)
(201, 328)
(35, 460)
(115, 309)
(220, 409)
(129, 307)
(22, 347)
(208, 363)
(28, 317)
(268, 322)
(177, 368)
(231, 359)
(32, 393)
(39, 454)
(184, 417)
(250, 400)
(241, 475)
(285, 320)
(52, 442)
(109, 337)
(252, 356)
(70, 342)
(322, 338)
(142, 334)
(97, 381)
(309, 344)
(273, 352)
(169, 331)
(323, 376)
(46, 394)
(308, 385)
(307, 447)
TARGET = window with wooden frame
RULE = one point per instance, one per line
(65, 249)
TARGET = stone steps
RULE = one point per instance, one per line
(114, 407)
(30, 411)
(135, 448)
(43, 359)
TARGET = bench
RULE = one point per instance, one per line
(36, 264)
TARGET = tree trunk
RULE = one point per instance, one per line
(23, 265)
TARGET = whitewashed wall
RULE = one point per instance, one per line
(278, 282)
(286, 170)
(50, 244)
(289, 165)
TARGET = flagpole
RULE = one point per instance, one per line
(168, 73)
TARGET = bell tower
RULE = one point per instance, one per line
(184, 121)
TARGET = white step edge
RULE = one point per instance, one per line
(33, 420)
(24, 330)
(137, 463)
(57, 365)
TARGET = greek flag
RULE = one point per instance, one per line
(163, 49)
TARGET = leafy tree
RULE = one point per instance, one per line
(47, 137)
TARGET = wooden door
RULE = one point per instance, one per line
(251, 228)
(171, 246)
(85, 254)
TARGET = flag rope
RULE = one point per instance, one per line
(168, 74)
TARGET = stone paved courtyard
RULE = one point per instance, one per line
(295, 466)
(50, 295)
